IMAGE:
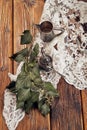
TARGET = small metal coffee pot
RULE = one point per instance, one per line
(45, 61)
(47, 31)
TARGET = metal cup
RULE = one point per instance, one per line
(46, 31)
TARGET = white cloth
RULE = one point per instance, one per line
(12, 115)
(68, 51)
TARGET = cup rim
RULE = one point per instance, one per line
(46, 24)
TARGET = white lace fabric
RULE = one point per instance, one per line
(12, 115)
(68, 51)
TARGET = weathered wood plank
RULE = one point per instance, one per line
(84, 105)
(22, 21)
(5, 50)
(84, 101)
(66, 112)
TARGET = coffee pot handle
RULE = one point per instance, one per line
(37, 26)
(61, 30)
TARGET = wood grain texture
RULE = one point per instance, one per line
(84, 105)
(5, 50)
(66, 112)
(69, 112)
(84, 102)
(23, 16)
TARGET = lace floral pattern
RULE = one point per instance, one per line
(12, 115)
(70, 54)
(68, 51)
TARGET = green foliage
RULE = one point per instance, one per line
(20, 56)
(30, 103)
(31, 91)
(20, 104)
(11, 86)
(50, 90)
(23, 94)
(26, 37)
(34, 52)
(44, 108)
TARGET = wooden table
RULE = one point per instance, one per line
(67, 113)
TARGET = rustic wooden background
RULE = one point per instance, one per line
(67, 113)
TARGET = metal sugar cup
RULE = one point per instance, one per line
(47, 31)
